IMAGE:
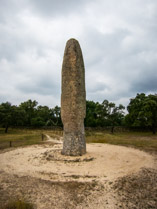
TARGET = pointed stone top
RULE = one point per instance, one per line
(72, 49)
(72, 41)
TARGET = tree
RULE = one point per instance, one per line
(11, 115)
(6, 115)
(42, 116)
(30, 110)
(134, 108)
(29, 114)
(18, 115)
(37, 121)
(91, 115)
(56, 116)
(150, 111)
(105, 114)
(113, 114)
(142, 111)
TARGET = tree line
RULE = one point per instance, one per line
(142, 112)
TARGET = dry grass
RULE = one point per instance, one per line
(24, 137)
(17, 204)
(21, 137)
(146, 141)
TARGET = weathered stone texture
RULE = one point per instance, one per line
(73, 100)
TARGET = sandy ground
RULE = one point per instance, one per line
(43, 176)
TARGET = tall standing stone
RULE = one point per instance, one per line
(73, 100)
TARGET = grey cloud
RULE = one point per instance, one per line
(147, 85)
(119, 63)
(101, 46)
(130, 66)
(53, 8)
(146, 82)
(9, 45)
(3, 98)
(97, 87)
(43, 86)
(9, 9)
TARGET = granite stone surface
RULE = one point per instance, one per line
(73, 100)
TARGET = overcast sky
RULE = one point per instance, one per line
(118, 40)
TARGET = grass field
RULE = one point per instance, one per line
(142, 140)
(19, 137)
(22, 137)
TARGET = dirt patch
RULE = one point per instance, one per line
(103, 178)
(138, 190)
(55, 155)
(106, 162)
(48, 194)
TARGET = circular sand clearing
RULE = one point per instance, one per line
(102, 161)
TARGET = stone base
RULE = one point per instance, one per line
(74, 144)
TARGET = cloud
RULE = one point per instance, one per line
(118, 41)
(52, 8)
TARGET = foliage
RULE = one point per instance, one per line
(5, 115)
(105, 114)
(18, 204)
(142, 111)
(29, 107)
(114, 114)
(92, 114)
(29, 114)
(10, 115)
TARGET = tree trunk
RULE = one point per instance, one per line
(112, 130)
(154, 129)
(6, 129)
